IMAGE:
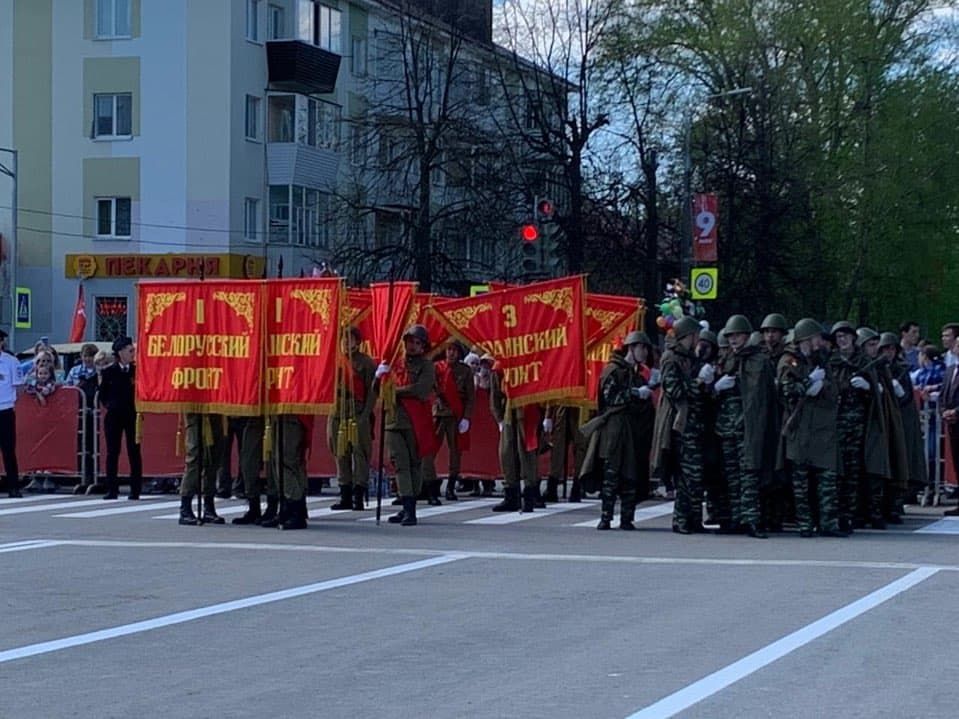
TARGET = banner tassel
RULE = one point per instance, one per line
(179, 448)
(138, 428)
(267, 440)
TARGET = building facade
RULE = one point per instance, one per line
(233, 138)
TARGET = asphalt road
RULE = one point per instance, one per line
(111, 609)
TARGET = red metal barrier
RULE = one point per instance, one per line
(47, 434)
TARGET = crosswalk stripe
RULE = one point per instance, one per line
(446, 508)
(130, 508)
(946, 525)
(512, 517)
(52, 507)
(642, 514)
(240, 508)
(21, 500)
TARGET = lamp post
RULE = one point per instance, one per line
(685, 244)
(11, 172)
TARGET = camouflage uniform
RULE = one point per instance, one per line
(682, 390)
(851, 431)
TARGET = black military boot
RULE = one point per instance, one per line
(209, 511)
(433, 492)
(346, 498)
(529, 498)
(551, 486)
(401, 515)
(187, 517)
(252, 515)
(510, 501)
(575, 492)
(451, 488)
(627, 513)
(488, 485)
(271, 517)
(409, 515)
(13, 491)
(359, 495)
(475, 491)
(608, 505)
(112, 490)
(297, 515)
(136, 485)
(538, 500)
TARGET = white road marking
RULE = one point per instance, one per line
(31, 650)
(59, 505)
(29, 544)
(129, 508)
(717, 681)
(449, 508)
(946, 525)
(30, 498)
(237, 508)
(642, 514)
(512, 517)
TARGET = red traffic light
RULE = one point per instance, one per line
(529, 233)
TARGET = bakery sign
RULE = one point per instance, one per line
(224, 266)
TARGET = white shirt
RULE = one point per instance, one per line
(10, 378)
(950, 359)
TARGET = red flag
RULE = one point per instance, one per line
(79, 318)
(705, 219)
(391, 305)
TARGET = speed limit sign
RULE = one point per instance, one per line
(705, 283)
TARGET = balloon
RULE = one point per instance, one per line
(677, 312)
(675, 303)
(664, 308)
(661, 322)
(670, 321)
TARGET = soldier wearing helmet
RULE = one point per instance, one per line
(809, 431)
(452, 413)
(748, 423)
(774, 329)
(409, 431)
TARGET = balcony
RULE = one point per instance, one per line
(297, 66)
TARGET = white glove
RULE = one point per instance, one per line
(383, 369)
(859, 383)
(655, 378)
(641, 392)
(547, 425)
(464, 426)
(500, 425)
(900, 391)
(882, 390)
(817, 375)
(707, 374)
(814, 389)
(727, 381)
(934, 396)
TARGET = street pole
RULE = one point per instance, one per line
(12, 174)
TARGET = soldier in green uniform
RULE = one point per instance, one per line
(517, 461)
(714, 486)
(349, 427)
(289, 460)
(685, 382)
(809, 431)
(776, 496)
(251, 459)
(452, 412)
(774, 329)
(747, 422)
(624, 438)
(203, 441)
(564, 432)
(411, 422)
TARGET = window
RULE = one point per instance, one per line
(322, 124)
(305, 221)
(253, 20)
(281, 109)
(276, 22)
(113, 217)
(251, 219)
(113, 115)
(113, 19)
(318, 24)
(279, 213)
(111, 320)
(358, 56)
(252, 123)
(533, 111)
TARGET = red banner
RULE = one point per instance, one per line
(608, 319)
(200, 347)
(391, 305)
(537, 334)
(302, 336)
(705, 224)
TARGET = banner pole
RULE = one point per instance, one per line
(379, 476)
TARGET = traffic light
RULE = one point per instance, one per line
(529, 232)
(544, 209)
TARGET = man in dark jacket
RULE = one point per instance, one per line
(117, 396)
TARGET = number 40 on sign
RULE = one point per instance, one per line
(705, 283)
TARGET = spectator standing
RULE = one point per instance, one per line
(949, 333)
(949, 405)
(11, 381)
(117, 384)
(909, 342)
(84, 376)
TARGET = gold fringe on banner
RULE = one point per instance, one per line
(179, 448)
(267, 439)
(343, 438)
(138, 428)
(388, 395)
(353, 432)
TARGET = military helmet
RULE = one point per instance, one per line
(806, 329)
(684, 327)
(709, 336)
(460, 347)
(888, 339)
(842, 326)
(864, 334)
(755, 339)
(636, 337)
(418, 332)
(721, 340)
(775, 321)
(738, 324)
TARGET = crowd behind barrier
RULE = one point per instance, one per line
(50, 438)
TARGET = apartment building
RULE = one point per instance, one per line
(225, 138)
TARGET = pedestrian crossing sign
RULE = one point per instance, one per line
(24, 309)
(705, 283)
